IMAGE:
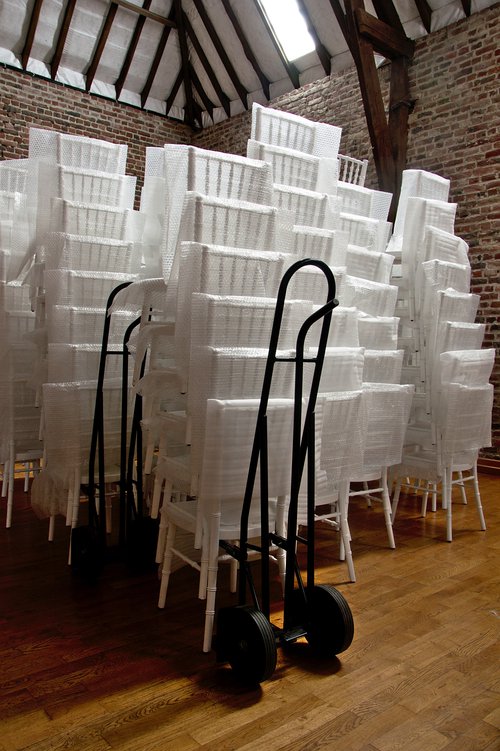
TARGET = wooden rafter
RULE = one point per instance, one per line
(425, 13)
(61, 39)
(167, 28)
(242, 92)
(185, 66)
(247, 48)
(387, 12)
(342, 22)
(101, 43)
(165, 20)
(209, 105)
(292, 72)
(30, 36)
(388, 136)
(223, 98)
(321, 51)
(467, 6)
(385, 39)
(173, 93)
(120, 81)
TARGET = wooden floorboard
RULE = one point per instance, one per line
(97, 666)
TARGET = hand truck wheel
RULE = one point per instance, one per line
(327, 619)
(246, 640)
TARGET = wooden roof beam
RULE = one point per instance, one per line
(209, 105)
(157, 58)
(61, 39)
(321, 51)
(166, 21)
(120, 81)
(264, 81)
(384, 38)
(185, 66)
(242, 92)
(425, 13)
(30, 36)
(223, 98)
(101, 43)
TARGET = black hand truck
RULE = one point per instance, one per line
(245, 637)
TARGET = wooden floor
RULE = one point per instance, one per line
(94, 667)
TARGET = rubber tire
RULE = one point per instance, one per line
(247, 640)
(327, 619)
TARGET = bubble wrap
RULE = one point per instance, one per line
(387, 413)
(296, 169)
(356, 199)
(422, 184)
(342, 422)
(465, 419)
(308, 207)
(91, 254)
(77, 151)
(369, 264)
(85, 325)
(380, 332)
(81, 288)
(372, 298)
(294, 132)
(372, 234)
(325, 245)
(439, 275)
(471, 367)
(420, 213)
(383, 366)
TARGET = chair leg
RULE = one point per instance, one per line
(395, 499)
(162, 531)
(345, 533)
(213, 554)
(167, 565)
(477, 497)
(447, 502)
(461, 485)
(386, 503)
(10, 487)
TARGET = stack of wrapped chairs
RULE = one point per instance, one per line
(18, 409)
(437, 327)
(87, 241)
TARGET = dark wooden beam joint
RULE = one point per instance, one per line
(385, 39)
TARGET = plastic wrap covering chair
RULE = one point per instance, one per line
(231, 427)
(188, 169)
(294, 132)
(352, 170)
(304, 285)
(79, 253)
(372, 298)
(93, 187)
(68, 414)
(369, 264)
(420, 214)
(387, 411)
(356, 199)
(421, 184)
(81, 288)
(296, 169)
(378, 332)
(78, 325)
(340, 419)
(226, 222)
(308, 208)
(77, 151)
(464, 427)
(383, 366)
(14, 175)
(328, 245)
(89, 220)
(439, 275)
(372, 234)
(344, 328)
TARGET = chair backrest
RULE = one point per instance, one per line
(356, 199)
(308, 207)
(470, 367)
(372, 298)
(422, 184)
(464, 420)
(342, 369)
(294, 132)
(328, 245)
(383, 366)
(65, 251)
(352, 170)
(439, 275)
(421, 213)
(296, 169)
(91, 186)
(342, 421)
(77, 151)
(378, 332)
(365, 232)
(387, 413)
(369, 264)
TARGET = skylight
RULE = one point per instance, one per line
(289, 26)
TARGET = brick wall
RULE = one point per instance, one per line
(26, 101)
(454, 131)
